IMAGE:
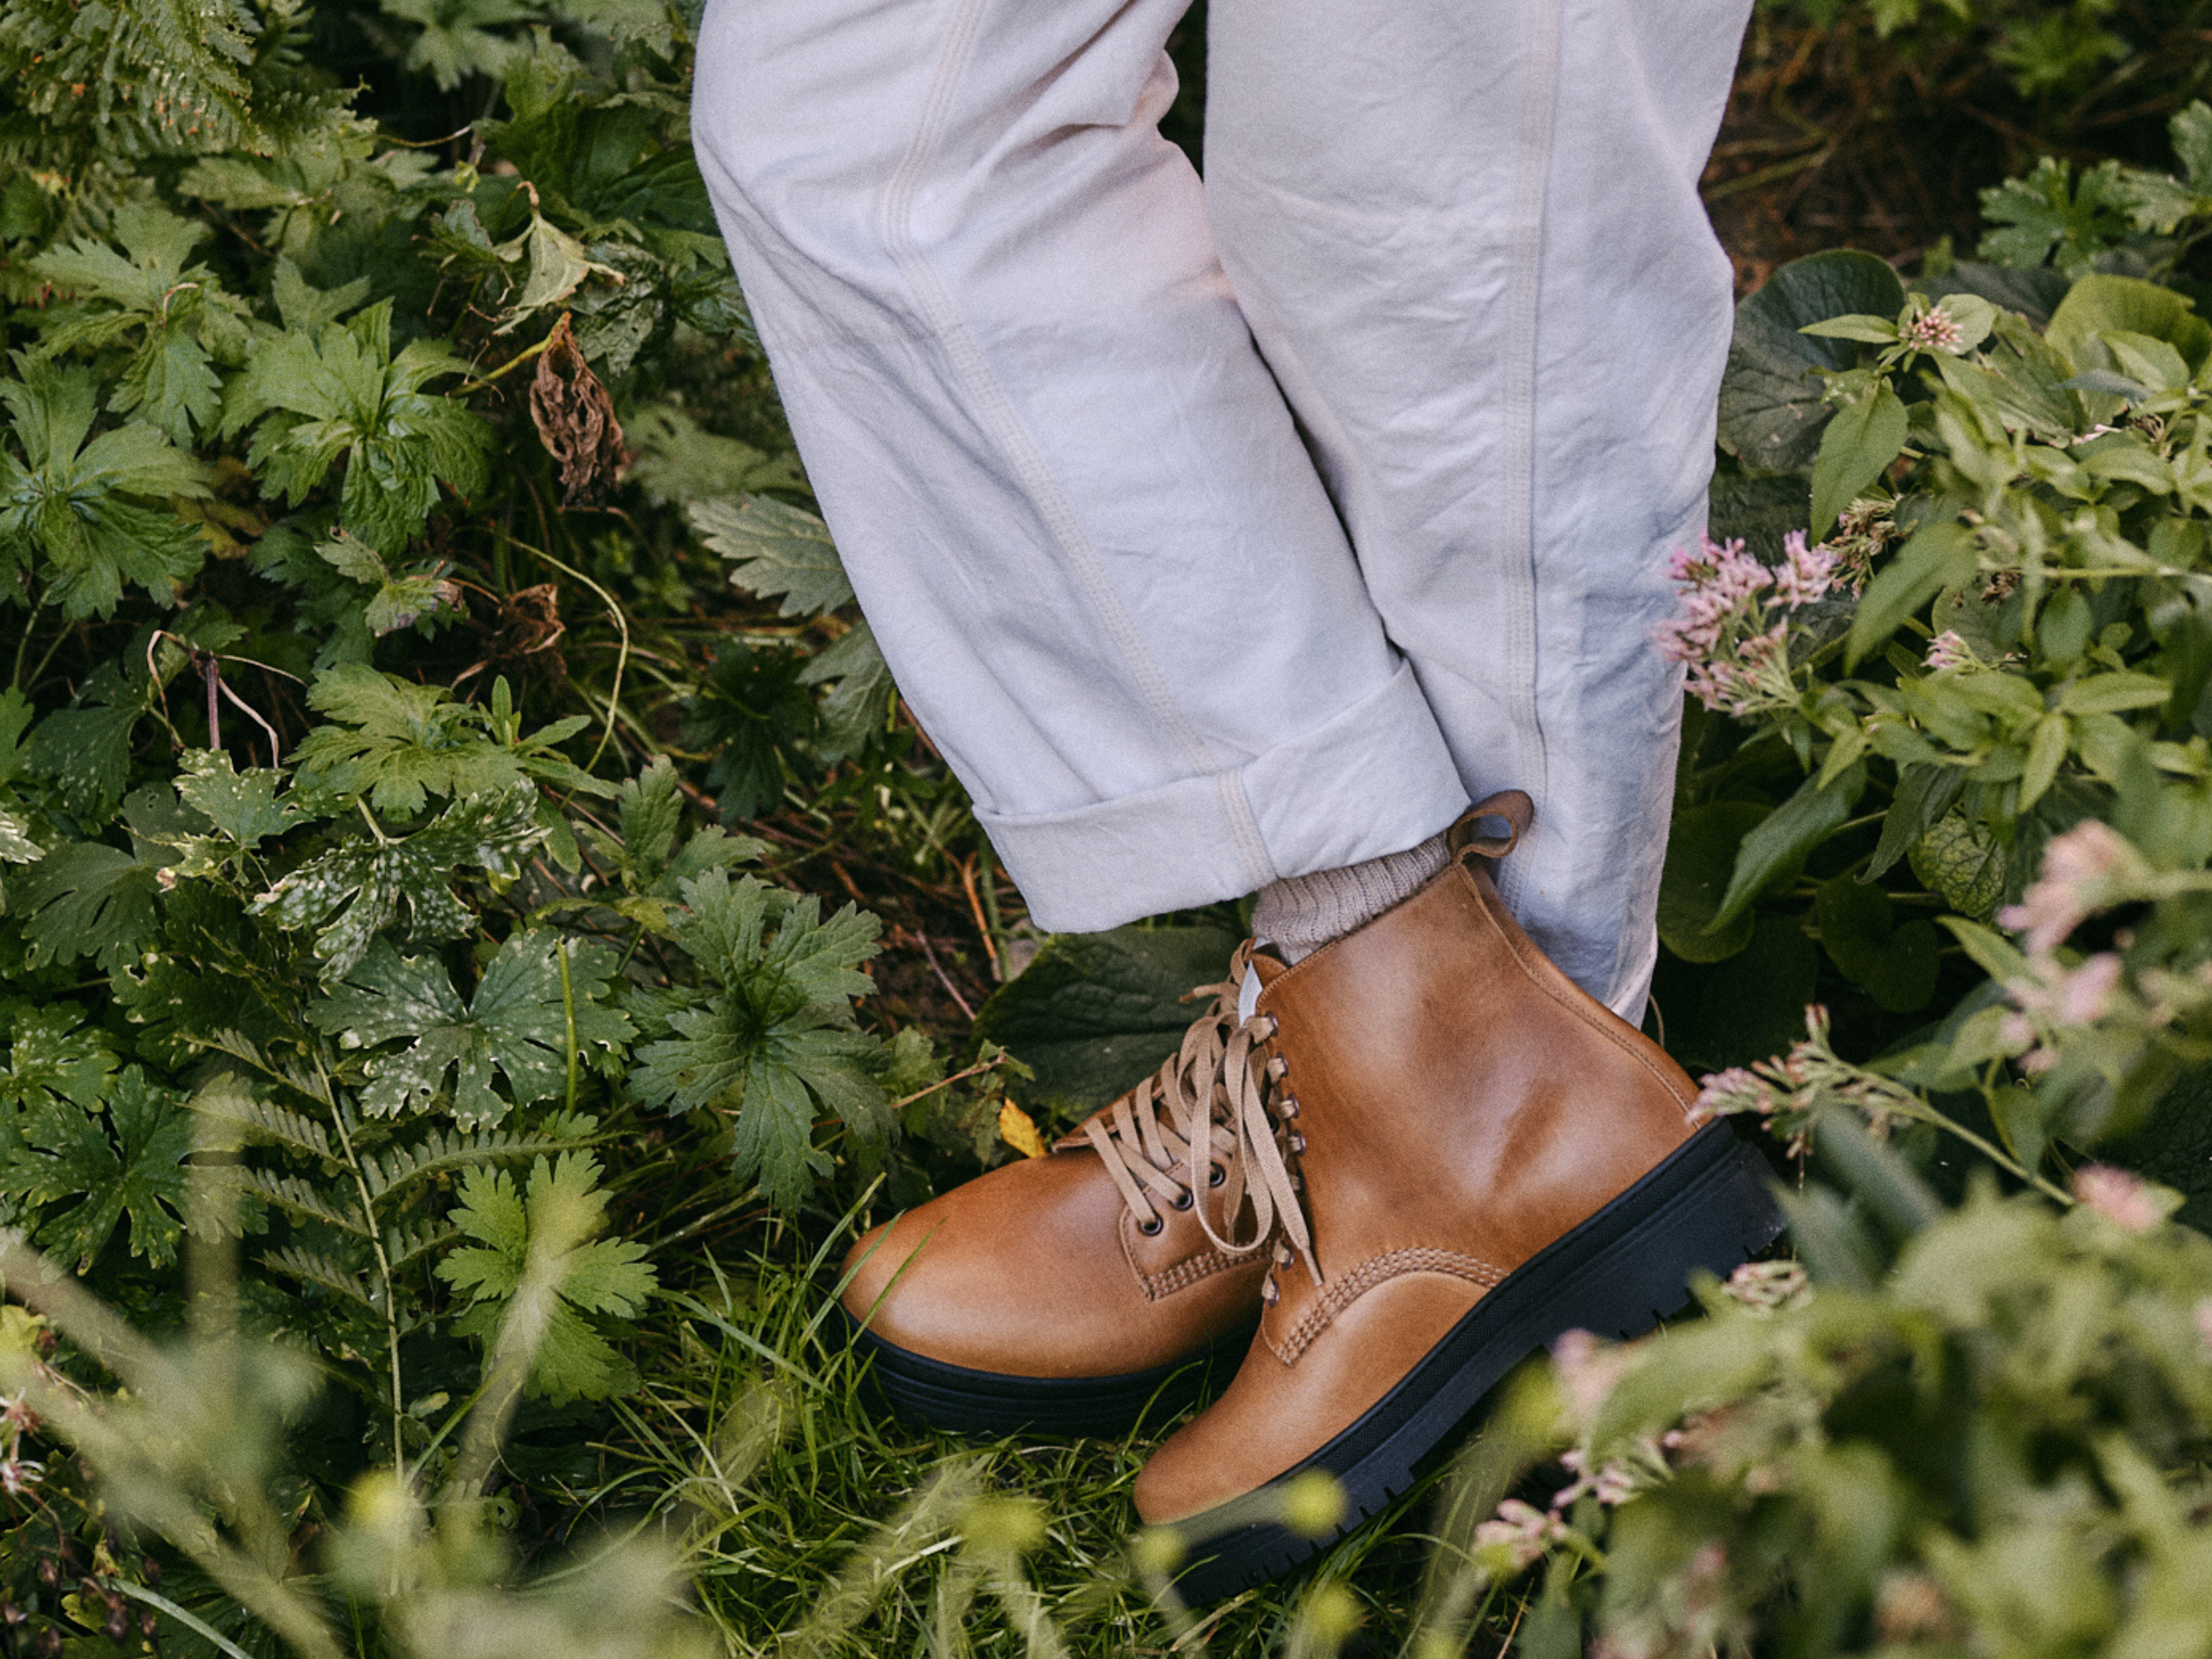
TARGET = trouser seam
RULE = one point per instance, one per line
(1523, 293)
(997, 409)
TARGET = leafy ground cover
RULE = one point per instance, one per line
(481, 930)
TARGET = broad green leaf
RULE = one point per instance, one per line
(81, 513)
(397, 742)
(2046, 752)
(1782, 840)
(776, 551)
(516, 1024)
(2100, 304)
(86, 899)
(2112, 694)
(1770, 406)
(1962, 861)
(679, 461)
(1993, 953)
(2047, 218)
(1094, 1012)
(355, 889)
(1701, 854)
(1924, 794)
(1860, 443)
(1938, 555)
(1859, 930)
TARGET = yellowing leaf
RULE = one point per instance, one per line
(1015, 1129)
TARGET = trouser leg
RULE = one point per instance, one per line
(1468, 236)
(1072, 502)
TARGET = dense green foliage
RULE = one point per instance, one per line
(429, 699)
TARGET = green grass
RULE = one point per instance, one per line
(813, 1522)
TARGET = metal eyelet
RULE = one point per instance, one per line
(1182, 1200)
(1289, 1106)
(1297, 1141)
(1215, 1175)
(1152, 1229)
(1269, 1293)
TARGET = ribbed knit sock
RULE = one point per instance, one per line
(1301, 914)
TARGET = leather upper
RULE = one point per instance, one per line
(1040, 1269)
(1460, 1104)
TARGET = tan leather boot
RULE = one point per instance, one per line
(1487, 1158)
(1069, 1293)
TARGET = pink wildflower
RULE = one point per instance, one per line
(18, 1475)
(1805, 573)
(1933, 330)
(2075, 865)
(2123, 1198)
(1767, 1284)
(2079, 996)
(1725, 1094)
(1522, 1528)
(1948, 653)
(1587, 1369)
(2016, 1032)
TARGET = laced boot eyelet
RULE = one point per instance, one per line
(1279, 1068)
(1152, 1229)
(1215, 1175)
(1182, 1200)
(1297, 1141)
(1270, 1293)
(1289, 1106)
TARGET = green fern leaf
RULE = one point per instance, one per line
(313, 1267)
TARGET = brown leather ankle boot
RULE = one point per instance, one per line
(1487, 1158)
(1069, 1293)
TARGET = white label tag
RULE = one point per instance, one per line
(1248, 993)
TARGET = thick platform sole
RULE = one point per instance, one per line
(990, 1403)
(1618, 1274)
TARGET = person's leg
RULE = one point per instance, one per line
(1467, 236)
(1074, 505)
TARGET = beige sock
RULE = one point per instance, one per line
(1301, 914)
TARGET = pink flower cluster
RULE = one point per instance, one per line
(1732, 631)
(2071, 886)
(2124, 1199)
(1934, 330)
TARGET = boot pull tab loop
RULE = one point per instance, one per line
(1511, 806)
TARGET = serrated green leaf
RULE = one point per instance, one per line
(777, 1037)
(515, 1024)
(126, 1162)
(1938, 555)
(777, 551)
(242, 806)
(555, 1227)
(1963, 861)
(87, 899)
(355, 889)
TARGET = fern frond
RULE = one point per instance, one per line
(245, 1049)
(313, 1267)
(411, 1241)
(443, 1151)
(299, 1198)
(237, 1107)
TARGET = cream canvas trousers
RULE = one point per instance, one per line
(1219, 532)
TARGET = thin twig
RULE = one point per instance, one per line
(943, 978)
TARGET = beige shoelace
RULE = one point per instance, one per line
(1216, 1101)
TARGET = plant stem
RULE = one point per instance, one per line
(569, 1014)
(383, 1264)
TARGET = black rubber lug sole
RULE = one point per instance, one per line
(1618, 1274)
(991, 1404)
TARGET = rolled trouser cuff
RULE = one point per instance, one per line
(1374, 779)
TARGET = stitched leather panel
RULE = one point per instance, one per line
(1187, 1272)
(1343, 1291)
